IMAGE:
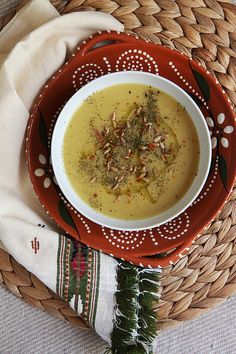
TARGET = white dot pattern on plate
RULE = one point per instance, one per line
(175, 228)
(108, 65)
(76, 213)
(86, 73)
(187, 84)
(125, 240)
(136, 60)
(153, 237)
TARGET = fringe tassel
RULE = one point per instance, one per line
(148, 286)
(126, 316)
(135, 322)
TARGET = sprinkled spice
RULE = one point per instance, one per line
(133, 146)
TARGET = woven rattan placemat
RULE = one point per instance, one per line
(206, 276)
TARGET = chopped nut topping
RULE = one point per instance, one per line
(106, 145)
(138, 111)
(115, 186)
(141, 176)
(113, 118)
(162, 145)
(121, 178)
(92, 180)
(114, 169)
(107, 151)
(157, 139)
(143, 169)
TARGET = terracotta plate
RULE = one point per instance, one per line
(125, 52)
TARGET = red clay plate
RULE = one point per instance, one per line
(125, 52)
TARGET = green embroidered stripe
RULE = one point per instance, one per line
(77, 279)
(94, 288)
(97, 288)
(135, 322)
(64, 265)
(89, 290)
(85, 288)
(91, 287)
(65, 278)
(71, 281)
(78, 283)
(58, 264)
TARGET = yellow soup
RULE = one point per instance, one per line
(131, 151)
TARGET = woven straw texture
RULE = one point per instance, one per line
(206, 276)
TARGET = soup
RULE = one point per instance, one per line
(131, 151)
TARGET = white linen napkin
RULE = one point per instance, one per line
(41, 41)
(32, 47)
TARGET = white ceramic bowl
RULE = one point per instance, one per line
(123, 78)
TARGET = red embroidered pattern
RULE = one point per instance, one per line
(35, 245)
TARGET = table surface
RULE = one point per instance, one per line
(25, 329)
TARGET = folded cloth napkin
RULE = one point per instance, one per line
(115, 298)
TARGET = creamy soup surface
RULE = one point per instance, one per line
(131, 151)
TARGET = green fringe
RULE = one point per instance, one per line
(135, 322)
(126, 308)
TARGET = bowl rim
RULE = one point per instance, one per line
(69, 192)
